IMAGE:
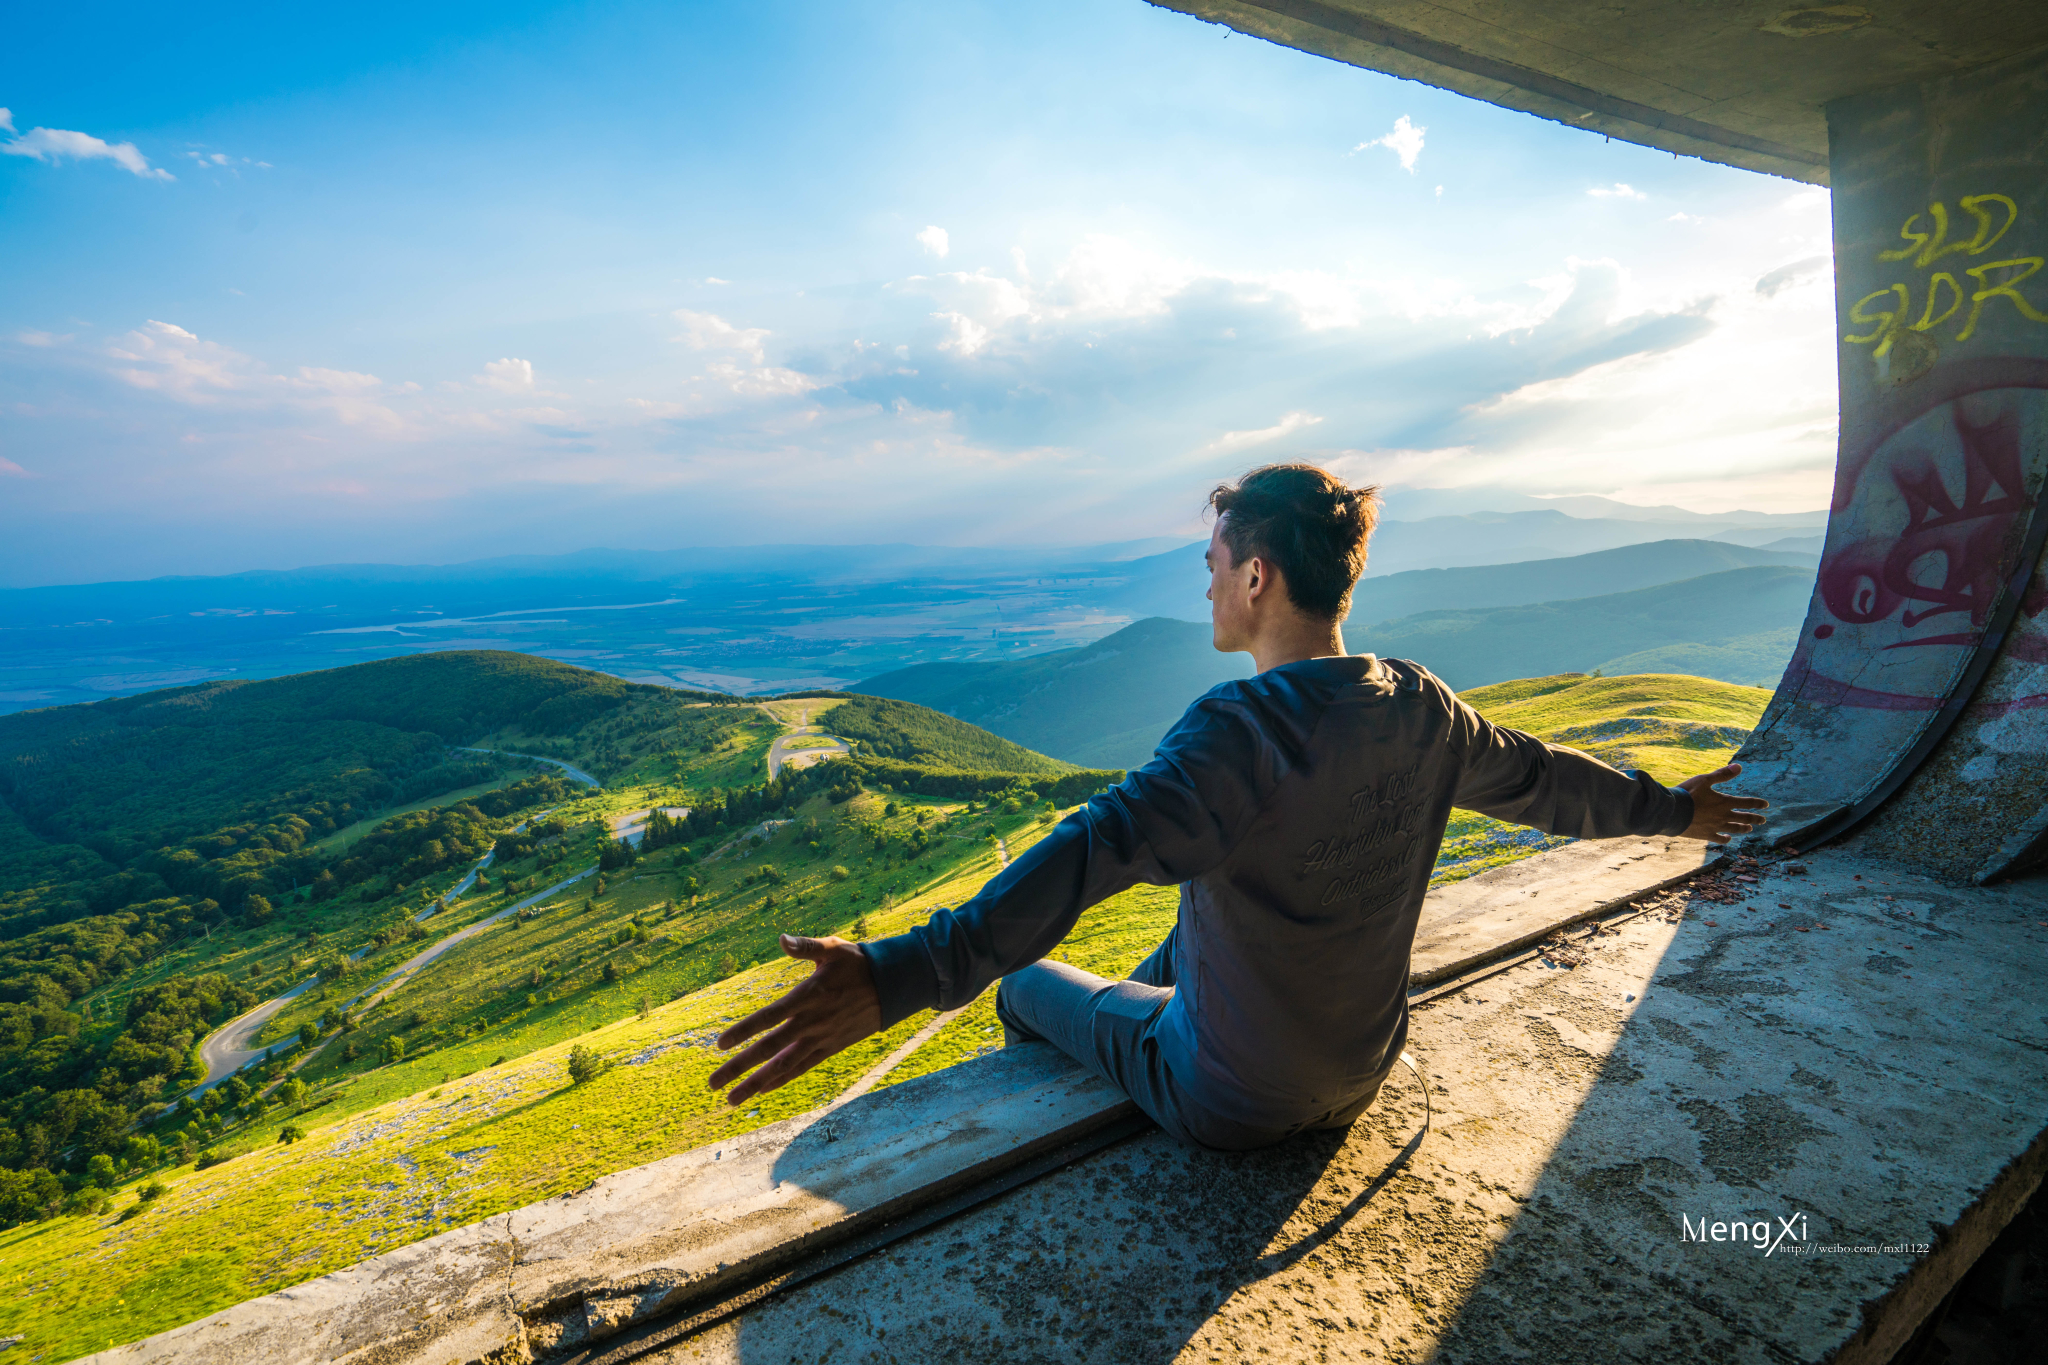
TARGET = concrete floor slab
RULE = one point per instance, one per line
(1866, 1099)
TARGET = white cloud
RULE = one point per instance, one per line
(507, 375)
(1405, 142)
(164, 359)
(1774, 282)
(765, 381)
(53, 145)
(709, 332)
(7, 466)
(935, 240)
(6, 121)
(221, 161)
(1616, 191)
(1231, 441)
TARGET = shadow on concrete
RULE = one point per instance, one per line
(1717, 1065)
(1125, 1256)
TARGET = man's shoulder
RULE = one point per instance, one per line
(1324, 680)
(1290, 700)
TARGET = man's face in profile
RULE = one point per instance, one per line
(1229, 595)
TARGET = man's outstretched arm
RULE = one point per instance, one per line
(1173, 819)
(1514, 776)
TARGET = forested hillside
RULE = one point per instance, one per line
(161, 827)
(168, 861)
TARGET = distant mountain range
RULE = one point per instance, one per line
(1173, 584)
(1111, 699)
(1738, 626)
(1412, 504)
(756, 620)
(1107, 704)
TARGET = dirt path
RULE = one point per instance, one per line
(411, 967)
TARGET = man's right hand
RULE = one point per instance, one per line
(828, 1011)
(1718, 817)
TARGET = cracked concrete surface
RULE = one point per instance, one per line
(1726, 1063)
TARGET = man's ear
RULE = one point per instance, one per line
(1256, 582)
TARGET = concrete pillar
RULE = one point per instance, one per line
(1923, 662)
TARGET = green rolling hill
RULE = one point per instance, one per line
(911, 733)
(171, 859)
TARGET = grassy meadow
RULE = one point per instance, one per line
(480, 1115)
(1669, 725)
(477, 1114)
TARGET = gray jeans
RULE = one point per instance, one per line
(1107, 1027)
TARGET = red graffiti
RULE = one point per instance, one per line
(2028, 643)
(1947, 557)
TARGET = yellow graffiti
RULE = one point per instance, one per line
(1955, 301)
(1923, 249)
(2003, 289)
(1886, 323)
(1926, 248)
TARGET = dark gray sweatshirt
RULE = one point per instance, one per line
(1300, 811)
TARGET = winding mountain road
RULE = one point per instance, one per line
(228, 1048)
(574, 772)
(780, 754)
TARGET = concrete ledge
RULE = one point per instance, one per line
(1876, 1083)
(552, 1276)
(1499, 912)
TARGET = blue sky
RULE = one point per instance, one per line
(428, 283)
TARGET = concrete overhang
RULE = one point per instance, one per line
(1743, 83)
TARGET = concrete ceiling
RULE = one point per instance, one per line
(1741, 82)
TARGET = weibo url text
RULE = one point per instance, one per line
(1788, 1237)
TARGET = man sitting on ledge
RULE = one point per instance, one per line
(1299, 810)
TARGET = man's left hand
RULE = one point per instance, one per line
(1718, 817)
(828, 1011)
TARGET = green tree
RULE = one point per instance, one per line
(309, 1034)
(293, 1093)
(839, 873)
(256, 911)
(290, 1133)
(100, 1172)
(644, 1006)
(584, 1065)
(394, 1048)
(611, 971)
